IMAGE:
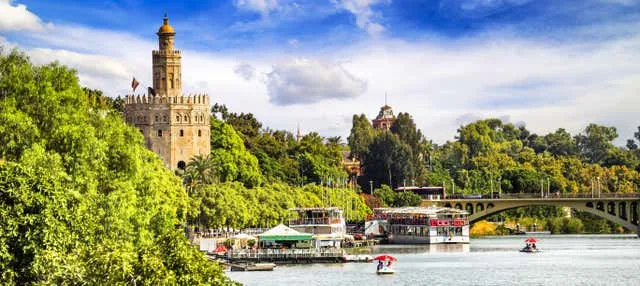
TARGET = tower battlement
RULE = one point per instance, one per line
(165, 52)
(197, 99)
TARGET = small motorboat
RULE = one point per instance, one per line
(385, 270)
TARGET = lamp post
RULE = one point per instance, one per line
(453, 187)
(371, 187)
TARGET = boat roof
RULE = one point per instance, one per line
(421, 210)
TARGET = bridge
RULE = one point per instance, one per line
(620, 208)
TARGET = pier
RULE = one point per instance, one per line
(286, 256)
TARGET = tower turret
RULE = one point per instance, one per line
(167, 66)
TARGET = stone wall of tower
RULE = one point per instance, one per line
(176, 128)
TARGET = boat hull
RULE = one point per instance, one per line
(385, 271)
(410, 239)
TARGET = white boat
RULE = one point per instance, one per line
(326, 224)
(385, 270)
(417, 225)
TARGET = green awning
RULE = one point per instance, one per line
(284, 233)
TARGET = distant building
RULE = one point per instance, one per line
(175, 126)
(385, 118)
(351, 164)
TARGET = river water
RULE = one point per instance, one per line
(565, 260)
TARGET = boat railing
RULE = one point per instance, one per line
(429, 222)
(314, 221)
(267, 253)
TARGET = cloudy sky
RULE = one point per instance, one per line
(546, 64)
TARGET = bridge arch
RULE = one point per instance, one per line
(608, 214)
(624, 212)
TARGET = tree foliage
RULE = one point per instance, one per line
(82, 201)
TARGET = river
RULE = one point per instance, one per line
(565, 260)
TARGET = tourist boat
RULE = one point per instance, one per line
(326, 224)
(420, 225)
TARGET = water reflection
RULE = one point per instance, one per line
(418, 249)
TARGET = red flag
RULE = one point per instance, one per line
(134, 84)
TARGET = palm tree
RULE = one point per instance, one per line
(199, 170)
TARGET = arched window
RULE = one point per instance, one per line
(178, 118)
(185, 119)
(159, 132)
(157, 118)
(199, 133)
(181, 133)
(164, 118)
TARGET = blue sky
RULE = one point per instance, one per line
(546, 64)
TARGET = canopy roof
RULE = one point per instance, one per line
(283, 232)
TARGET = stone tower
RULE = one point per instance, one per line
(175, 126)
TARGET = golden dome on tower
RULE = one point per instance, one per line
(166, 28)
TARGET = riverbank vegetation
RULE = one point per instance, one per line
(82, 201)
(491, 156)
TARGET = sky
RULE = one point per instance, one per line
(316, 63)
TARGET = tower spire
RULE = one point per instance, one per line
(385, 98)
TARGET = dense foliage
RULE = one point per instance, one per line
(489, 155)
(231, 205)
(492, 156)
(397, 199)
(82, 201)
(283, 157)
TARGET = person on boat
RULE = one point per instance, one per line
(380, 265)
(534, 247)
(389, 263)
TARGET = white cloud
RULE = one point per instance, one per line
(366, 18)
(441, 82)
(96, 71)
(261, 6)
(308, 81)
(18, 18)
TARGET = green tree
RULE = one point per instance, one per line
(82, 200)
(230, 159)
(361, 136)
(596, 142)
(388, 161)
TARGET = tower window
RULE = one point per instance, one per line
(181, 133)
(157, 118)
(199, 133)
(185, 119)
(159, 132)
(178, 118)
